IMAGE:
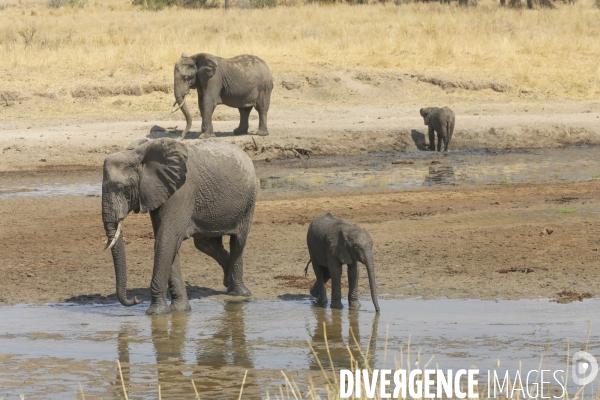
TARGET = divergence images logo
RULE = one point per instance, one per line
(585, 368)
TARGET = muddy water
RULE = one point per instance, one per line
(47, 351)
(373, 171)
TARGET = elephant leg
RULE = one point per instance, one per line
(450, 132)
(262, 106)
(431, 135)
(213, 247)
(244, 115)
(179, 297)
(314, 291)
(319, 286)
(445, 138)
(165, 251)
(353, 302)
(335, 269)
(235, 281)
(206, 109)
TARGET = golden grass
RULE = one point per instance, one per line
(553, 52)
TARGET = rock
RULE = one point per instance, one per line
(30, 275)
(549, 231)
(267, 159)
(436, 162)
(290, 85)
(402, 162)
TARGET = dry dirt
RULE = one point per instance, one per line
(340, 113)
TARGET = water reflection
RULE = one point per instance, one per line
(439, 175)
(216, 342)
(342, 347)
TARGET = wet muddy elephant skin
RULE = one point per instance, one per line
(440, 120)
(202, 192)
(242, 82)
(332, 242)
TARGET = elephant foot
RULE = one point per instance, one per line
(337, 304)
(262, 132)
(180, 305)
(314, 291)
(354, 304)
(321, 302)
(158, 308)
(225, 281)
(239, 290)
(240, 131)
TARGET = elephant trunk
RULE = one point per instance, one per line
(120, 263)
(372, 284)
(186, 112)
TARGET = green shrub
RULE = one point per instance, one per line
(69, 3)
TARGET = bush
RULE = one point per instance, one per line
(160, 4)
(69, 3)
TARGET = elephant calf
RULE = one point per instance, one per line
(242, 82)
(440, 120)
(332, 242)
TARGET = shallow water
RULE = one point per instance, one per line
(371, 171)
(47, 351)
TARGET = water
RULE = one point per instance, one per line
(47, 351)
(375, 171)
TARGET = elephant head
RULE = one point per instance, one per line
(191, 73)
(426, 114)
(141, 178)
(355, 244)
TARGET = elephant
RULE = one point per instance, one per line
(440, 120)
(203, 191)
(243, 82)
(332, 242)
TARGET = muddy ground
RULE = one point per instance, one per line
(485, 242)
(452, 241)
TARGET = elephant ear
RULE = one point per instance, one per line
(340, 249)
(207, 67)
(426, 113)
(162, 171)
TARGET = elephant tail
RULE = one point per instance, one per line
(306, 268)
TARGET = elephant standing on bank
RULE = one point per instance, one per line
(203, 191)
(242, 82)
(440, 120)
(332, 242)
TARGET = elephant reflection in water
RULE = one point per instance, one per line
(168, 333)
(224, 348)
(439, 175)
(331, 324)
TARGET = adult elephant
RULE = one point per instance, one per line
(242, 82)
(203, 191)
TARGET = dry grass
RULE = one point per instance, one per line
(553, 52)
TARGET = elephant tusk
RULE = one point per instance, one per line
(180, 105)
(111, 244)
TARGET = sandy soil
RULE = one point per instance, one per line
(322, 114)
(459, 242)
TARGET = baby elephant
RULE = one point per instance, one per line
(332, 242)
(440, 120)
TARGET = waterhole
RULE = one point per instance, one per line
(48, 351)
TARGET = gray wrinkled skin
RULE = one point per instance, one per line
(202, 192)
(242, 82)
(332, 242)
(440, 120)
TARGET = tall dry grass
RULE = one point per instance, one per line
(554, 52)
